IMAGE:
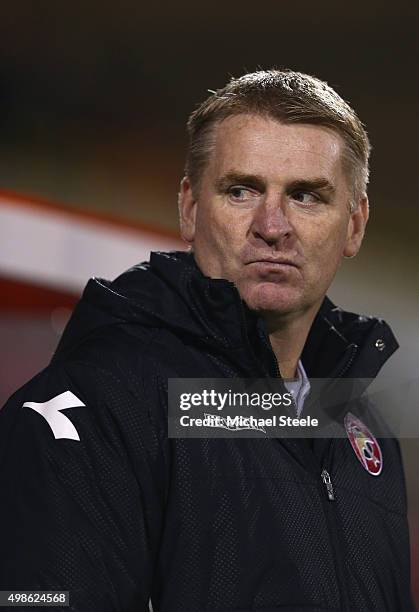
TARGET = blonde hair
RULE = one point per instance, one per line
(289, 97)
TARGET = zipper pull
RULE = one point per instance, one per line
(327, 481)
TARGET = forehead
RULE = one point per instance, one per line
(259, 145)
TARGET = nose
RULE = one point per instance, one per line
(271, 226)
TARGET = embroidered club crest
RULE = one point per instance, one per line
(365, 446)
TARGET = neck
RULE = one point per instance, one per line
(288, 335)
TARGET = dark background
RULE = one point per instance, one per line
(95, 95)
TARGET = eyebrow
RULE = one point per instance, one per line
(319, 184)
(231, 178)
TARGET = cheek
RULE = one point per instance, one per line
(324, 245)
(221, 226)
(218, 242)
(209, 233)
(328, 230)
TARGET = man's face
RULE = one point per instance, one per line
(272, 213)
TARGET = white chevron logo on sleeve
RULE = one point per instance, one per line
(60, 424)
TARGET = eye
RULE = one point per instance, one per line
(238, 193)
(305, 197)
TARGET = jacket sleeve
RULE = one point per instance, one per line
(82, 481)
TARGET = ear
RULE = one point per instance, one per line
(356, 227)
(187, 211)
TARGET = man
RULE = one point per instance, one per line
(100, 502)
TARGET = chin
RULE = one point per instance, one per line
(271, 297)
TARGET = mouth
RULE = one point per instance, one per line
(273, 262)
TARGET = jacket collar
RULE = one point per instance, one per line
(339, 344)
(346, 344)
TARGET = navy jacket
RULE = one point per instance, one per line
(112, 510)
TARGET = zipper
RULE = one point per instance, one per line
(330, 510)
(328, 483)
(354, 350)
(265, 339)
(328, 498)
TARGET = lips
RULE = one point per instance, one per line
(273, 261)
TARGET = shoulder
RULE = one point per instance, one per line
(92, 398)
(83, 468)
